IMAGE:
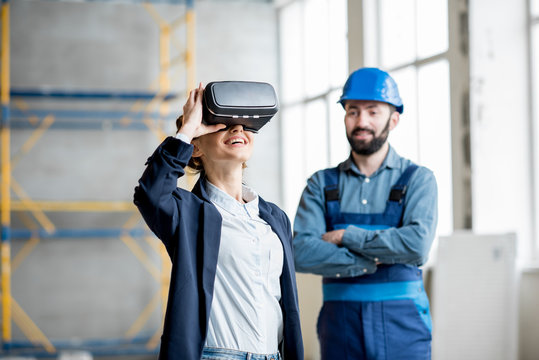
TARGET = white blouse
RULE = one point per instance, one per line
(245, 312)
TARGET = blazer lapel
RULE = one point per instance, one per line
(282, 232)
(211, 239)
(278, 227)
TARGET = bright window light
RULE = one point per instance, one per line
(412, 29)
(291, 53)
(413, 41)
(294, 156)
(338, 49)
(435, 135)
(432, 30)
(535, 7)
(397, 31)
(314, 67)
(316, 139)
(339, 147)
(535, 52)
(404, 138)
(316, 47)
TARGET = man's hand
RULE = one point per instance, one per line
(334, 237)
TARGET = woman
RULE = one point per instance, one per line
(232, 292)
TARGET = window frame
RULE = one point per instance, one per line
(457, 55)
(303, 102)
(533, 56)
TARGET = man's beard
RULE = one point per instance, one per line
(363, 147)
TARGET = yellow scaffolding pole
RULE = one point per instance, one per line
(29, 246)
(38, 207)
(190, 65)
(190, 53)
(6, 177)
(36, 135)
(164, 85)
(30, 330)
(75, 206)
(31, 206)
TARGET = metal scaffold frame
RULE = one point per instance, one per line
(140, 117)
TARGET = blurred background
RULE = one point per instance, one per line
(90, 88)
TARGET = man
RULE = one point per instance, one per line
(366, 226)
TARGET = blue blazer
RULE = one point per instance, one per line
(189, 226)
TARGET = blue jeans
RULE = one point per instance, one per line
(228, 354)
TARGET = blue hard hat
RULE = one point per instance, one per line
(372, 84)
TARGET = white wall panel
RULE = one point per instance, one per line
(474, 298)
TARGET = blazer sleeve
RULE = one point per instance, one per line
(157, 195)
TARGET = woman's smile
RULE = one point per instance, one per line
(236, 141)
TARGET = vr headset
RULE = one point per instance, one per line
(247, 103)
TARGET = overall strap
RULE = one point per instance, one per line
(331, 194)
(395, 202)
(392, 215)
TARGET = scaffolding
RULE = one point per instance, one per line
(149, 112)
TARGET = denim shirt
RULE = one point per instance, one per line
(362, 249)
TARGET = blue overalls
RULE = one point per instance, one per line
(384, 315)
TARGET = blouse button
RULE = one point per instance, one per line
(364, 201)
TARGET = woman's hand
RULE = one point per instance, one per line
(193, 126)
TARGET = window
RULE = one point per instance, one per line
(409, 39)
(314, 67)
(411, 43)
(534, 11)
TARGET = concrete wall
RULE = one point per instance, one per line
(501, 120)
(501, 141)
(96, 288)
